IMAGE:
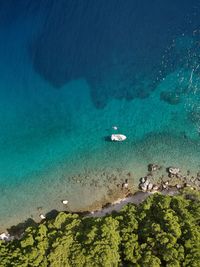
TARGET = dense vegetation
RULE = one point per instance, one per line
(162, 231)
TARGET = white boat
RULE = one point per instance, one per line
(118, 137)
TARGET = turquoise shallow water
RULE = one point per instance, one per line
(55, 124)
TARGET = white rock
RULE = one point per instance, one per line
(155, 187)
(5, 236)
(115, 128)
(150, 186)
(143, 179)
(42, 216)
(174, 171)
(146, 183)
(65, 202)
(143, 187)
(126, 185)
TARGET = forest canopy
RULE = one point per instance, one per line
(161, 231)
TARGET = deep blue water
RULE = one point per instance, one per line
(69, 71)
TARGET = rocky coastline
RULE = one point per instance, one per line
(169, 184)
(169, 181)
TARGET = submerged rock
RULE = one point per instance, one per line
(194, 116)
(171, 98)
(178, 175)
(153, 167)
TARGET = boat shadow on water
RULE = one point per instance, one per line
(118, 139)
(107, 138)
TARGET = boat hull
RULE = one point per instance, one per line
(118, 137)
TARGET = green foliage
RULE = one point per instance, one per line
(162, 231)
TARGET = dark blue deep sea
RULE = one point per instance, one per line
(69, 72)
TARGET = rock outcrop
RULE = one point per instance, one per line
(173, 171)
(146, 186)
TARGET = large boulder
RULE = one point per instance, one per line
(173, 170)
(144, 184)
(150, 186)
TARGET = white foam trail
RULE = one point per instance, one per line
(191, 77)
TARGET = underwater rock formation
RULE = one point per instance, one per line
(153, 167)
(194, 116)
(171, 98)
(90, 39)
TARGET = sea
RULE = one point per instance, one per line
(70, 72)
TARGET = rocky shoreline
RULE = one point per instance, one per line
(169, 182)
(173, 178)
